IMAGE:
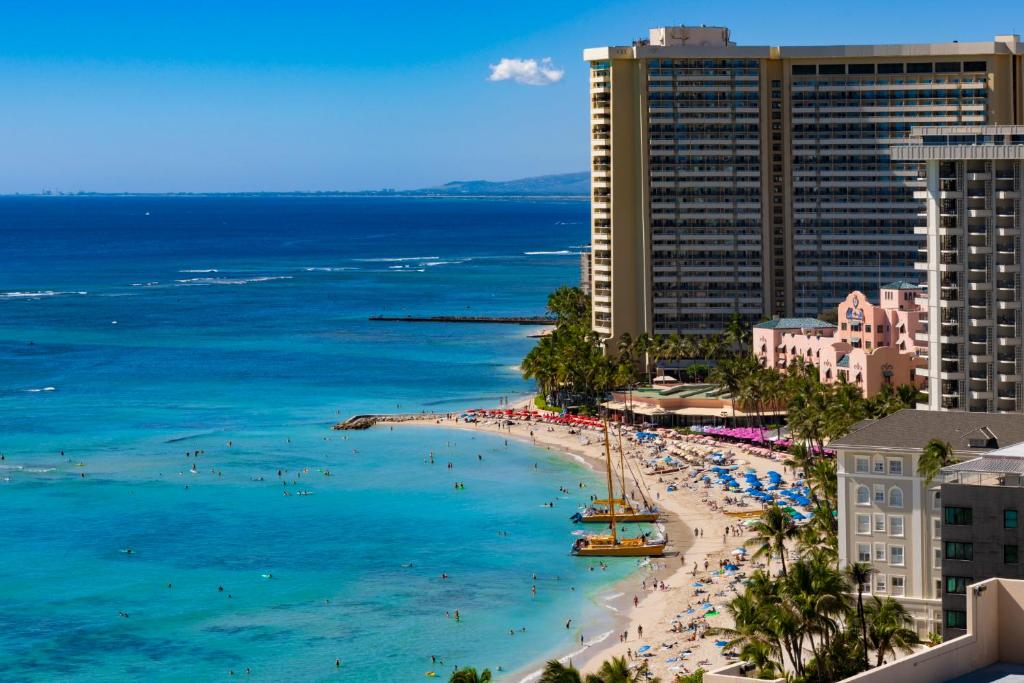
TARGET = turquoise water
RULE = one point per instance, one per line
(116, 352)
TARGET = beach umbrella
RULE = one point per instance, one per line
(643, 648)
(739, 551)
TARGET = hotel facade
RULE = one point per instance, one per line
(889, 518)
(974, 184)
(872, 346)
(758, 180)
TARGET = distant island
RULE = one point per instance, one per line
(562, 185)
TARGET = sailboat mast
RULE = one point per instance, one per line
(611, 485)
(622, 467)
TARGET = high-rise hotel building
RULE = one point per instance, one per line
(758, 180)
(974, 183)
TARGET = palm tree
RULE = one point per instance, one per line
(737, 334)
(469, 675)
(890, 628)
(771, 532)
(858, 574)
(616, 670)
(641, 348)
(935, 455)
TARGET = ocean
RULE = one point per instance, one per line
(136, 331)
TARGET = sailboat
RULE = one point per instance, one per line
(610, 545)
(625, 511)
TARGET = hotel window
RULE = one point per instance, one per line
(880, 494)
(897, 585)
(956, 618)
(936, 558)
(880, 552)
(863, 552)
(863, 495)
(1009, 519)
(1010, 554)
(879, 466)
(896, 466)
(936, 527)
(896, 555)
(880, 583)
(957, 584)
(896, 525)
(896, 497)
(936, 501)
(959, 516)
(863, 524)
(959, 551)
(879, 523)
(863, 466)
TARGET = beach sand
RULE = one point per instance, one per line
(690, 507)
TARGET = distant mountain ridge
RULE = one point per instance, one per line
(562, 184)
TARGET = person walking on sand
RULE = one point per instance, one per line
(639, 631)
(636, 601)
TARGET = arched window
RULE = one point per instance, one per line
(896, 497)
(863, 495)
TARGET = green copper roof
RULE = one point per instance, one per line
(901, 284)
(794, 323)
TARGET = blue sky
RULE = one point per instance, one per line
(188, 96)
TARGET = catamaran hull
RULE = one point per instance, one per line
(604, 517)
(620, 551)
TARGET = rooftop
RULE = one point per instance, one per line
(794, 324)
(996, 673)
(688, 41)
(968, 433)
(901, 284)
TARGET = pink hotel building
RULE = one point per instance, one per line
(873, 345)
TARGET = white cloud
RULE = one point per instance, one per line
(526, 71)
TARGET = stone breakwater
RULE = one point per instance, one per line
(367, 421)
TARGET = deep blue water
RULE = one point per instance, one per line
(134, 330)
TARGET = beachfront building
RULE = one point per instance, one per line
(872, 346)
(679, 405)
(982, 500)
(757, 180)
(988, 651)
(888, 518)
(974, 216)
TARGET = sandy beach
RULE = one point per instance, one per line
(674, 618)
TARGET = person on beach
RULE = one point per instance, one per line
(636, 601)
(568, 624)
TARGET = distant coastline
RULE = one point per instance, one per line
(565, 186)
